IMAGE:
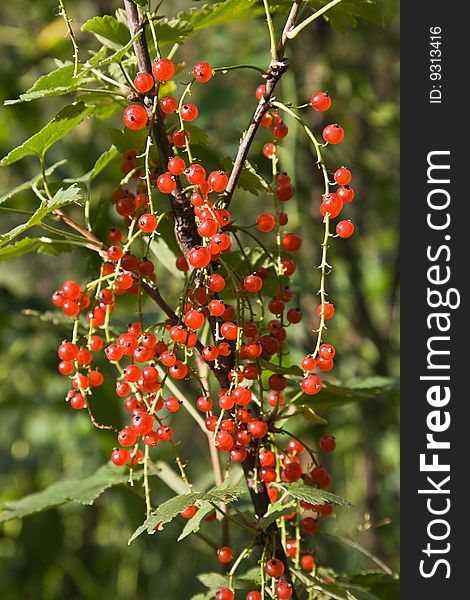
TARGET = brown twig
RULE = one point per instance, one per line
(275, 71)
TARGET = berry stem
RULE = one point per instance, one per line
(68, 23)
(294, 32)
(272, 36)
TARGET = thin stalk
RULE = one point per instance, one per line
(294, 32)
(272, 36)
(68, 23)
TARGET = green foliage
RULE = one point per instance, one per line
(66, 120)
(249, 180)
(335, 394)
(313, 495)
(61, 198)
(167, 511)
(56, 83)
(83, 491)
(43, 245)
(109, 31)
(27, 185)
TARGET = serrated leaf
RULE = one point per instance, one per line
(167, 511)
(249, 179)
(56, 83)
(42, 245)
(313, 495)
(211, 15)
(108, 30)
(354, 390)
(68, 118)
(344, 15)
(27, 185)
(194, 523)
(169, 31)
(275, 511)
(331, 590)
(84, 491)
(61, 198)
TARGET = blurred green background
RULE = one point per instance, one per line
(77, 552)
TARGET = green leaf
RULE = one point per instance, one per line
(42, 245)
(167, 511)
(310, 415)
(127, 139)
(381, 585)
(312, 495)
(100, 165)
(211, 15)
(287, 370)
(68, 118)
(27, 185)
(171, 31)
(61, 198)
(109, 31)
(198, 136)
(344, 15)
(202, 596)
(57, 82)
(194, 523)
(84, 491)
(215, 581)
(249, 179)
(355, 390)
(275, 511)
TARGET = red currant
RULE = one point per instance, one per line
(345, 229)
(202, 71)
(320, 101)
(163, 69)
(143, 82)
(135, 117)
(333, 134)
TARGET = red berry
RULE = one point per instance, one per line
(189, 512)
(194, 319)
(225, 594)
(345, 229)
(343, 176)
(294, 315)
(331, 204)
(291, 548)
(280, 130)
(168, 104)
(320, 101)
(257, 428)
(260, 90)
(284, 590)
(70, 308)
(254, 596)
(216, 308)
(172, 404)
(229, 330)
(135, 117)
(274, 568)
(147, 223)
(142, 422)
(253, 283)
(265, 222)
(333, 134)
(217, 181)
(176, 165)
(179, 370)
(202, 71)
(292, 242)
(163, 69)
(309, 525)
(166, 183)
(182, 263)
(225, 554)
(328, 443)
(67, 351)
(143, 82)
(307, 562)
(311, 384)
(346, 193)
(327, 351)
(120, 457)
(189, 112)
(71, 290)
(328, 309)
(199, 257)
(180, 137)
(210, 353)
(127, 437)
(269, 150)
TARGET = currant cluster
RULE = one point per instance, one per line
(248, 342)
